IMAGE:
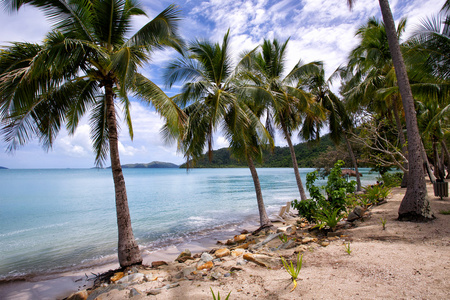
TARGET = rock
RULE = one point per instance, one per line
(206, 257)
(230, 242)
(333, 235)
(158, 263)
(222, 252)
(102, 290)
(352, 216)
(227, 274)
(154, 292)
(216, 275)
(208, 266)
(286, 229)
(245, 231)
(171, 285)
(185, 253)
(116, 276)
(307, 240)
(241, 262)
(358, 210)
(246, 245)
(237, 252)
(134, 292)
(133, 278)
(324, 244)
(288, 245)
(301, 248)
(189, 270)
(263, 260)
(240, 238)
(235, 269)
(268, 239)
(81, 295)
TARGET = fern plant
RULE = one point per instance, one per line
(218, 295)
(293, 271)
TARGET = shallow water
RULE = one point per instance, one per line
(58, 219)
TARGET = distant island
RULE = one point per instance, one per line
(3, 168)
(153, 164)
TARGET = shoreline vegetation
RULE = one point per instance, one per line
(366, 258)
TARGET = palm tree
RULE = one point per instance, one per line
(370, 63)
(86, 63)
(337, 118)
(212, 99)
(263, 73)
(415, 204)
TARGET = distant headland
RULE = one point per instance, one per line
(3, 168)
(153, 164)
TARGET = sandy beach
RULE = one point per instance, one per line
(404, 261)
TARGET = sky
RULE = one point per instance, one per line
(318, 30)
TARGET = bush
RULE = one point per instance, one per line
(336, 190)
(375, 194)
(392, 179)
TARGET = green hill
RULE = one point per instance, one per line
(306, 154)
(153, 164)
(3, 168)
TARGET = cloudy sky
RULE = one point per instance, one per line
(318, 30)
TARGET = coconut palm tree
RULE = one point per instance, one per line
(85, 64)
(370, 63)
(415, 204)
(264, 78)
(336, 115)
(212, 99)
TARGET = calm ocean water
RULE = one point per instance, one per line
(57, 219)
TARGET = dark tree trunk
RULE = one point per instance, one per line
(402, 139)
(354, 162)
(415, 204)
(445, 150)
(426, 163)
(295, 165)
(128, 250)
(263, 218)
(438, 164)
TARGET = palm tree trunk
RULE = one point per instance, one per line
(128, 250)
(415, 204)
(354, 162)
(444, 148)
(263, 218)
(426, 163)
(295, 165)
(402, 139)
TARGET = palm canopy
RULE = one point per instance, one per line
(371, 68)
(211, 98)
(264, 75)
(59, 81)
(328, 104)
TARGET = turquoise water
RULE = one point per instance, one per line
(58, 219)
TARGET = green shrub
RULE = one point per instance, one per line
(306, 208)
(392, 179)
(376, 193)
(328, 218)
(337, 188)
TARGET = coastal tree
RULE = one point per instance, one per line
(88, 63)
(415, 204)
(285, 102)
(212, 99)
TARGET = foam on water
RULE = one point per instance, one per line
(54, 220)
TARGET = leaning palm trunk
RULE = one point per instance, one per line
(426, 164)
(354, 162)
(402, 139)
(445, 150)
(415, 204)
(295, 165)
(263, 218)
(128, 250)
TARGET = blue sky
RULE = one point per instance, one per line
(318, 30)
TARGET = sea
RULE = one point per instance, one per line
(54, 220)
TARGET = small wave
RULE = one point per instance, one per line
(33, 229)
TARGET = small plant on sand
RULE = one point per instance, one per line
(328, 218)
(445, 212)
(376, 193)
(293, 271)
(283, 238)
(218, 295)
(383, 222)
(347, 248)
